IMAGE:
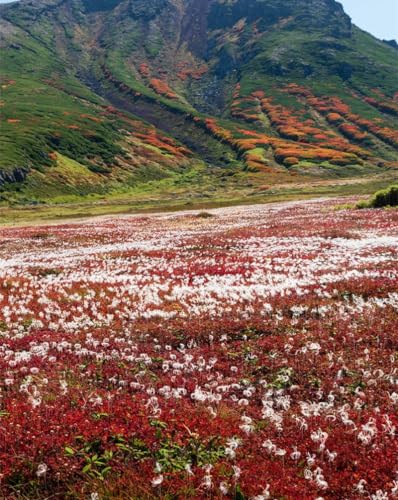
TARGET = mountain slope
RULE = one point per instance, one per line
(107, 95)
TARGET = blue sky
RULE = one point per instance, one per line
(379, 17)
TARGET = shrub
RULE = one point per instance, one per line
(204, 215)
(290, 160)
(385, 197)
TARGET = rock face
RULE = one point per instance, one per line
(275, 69)
(13, 175)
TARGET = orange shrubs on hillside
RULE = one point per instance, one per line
(384, 106)
(218, 131)
(162, 88)
(334, 117)
(166, 144)
(245, 108)
(314, 154)
(186, 70)
(255, 162)
(91, 118)
(352, 132)
(290, 161)
(144, 70)
(289, 125)
(333, 106)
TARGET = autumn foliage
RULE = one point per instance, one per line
(186, 70)
(248, 352)
(353, 126)
(162, 88)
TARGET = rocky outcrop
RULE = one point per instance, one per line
(13, 175)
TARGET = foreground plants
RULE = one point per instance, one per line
(249, 354)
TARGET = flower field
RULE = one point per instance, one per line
(246, 353)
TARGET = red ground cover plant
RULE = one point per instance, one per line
(251, 354)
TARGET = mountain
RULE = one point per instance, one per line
(105, 96)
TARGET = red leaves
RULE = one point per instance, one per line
(384, 105)
(336, 111)
(162, 88)
(334, 117)
(187, 70)
(144, 70)
(246, 108)
(352, 132)
(153, 138)
(271, 371)
(92, 118)
(314, 153)
(290, 161)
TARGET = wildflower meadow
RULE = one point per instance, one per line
(245, 353)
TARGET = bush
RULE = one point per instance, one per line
(290, 161)
(204, 215)
(384, 198)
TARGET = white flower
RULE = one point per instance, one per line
(269, 446)
(314, 346)
(310, 459)
(247, 425)
(331, 455)
(360, 487)
(295, 455)
(264, 495)
(224, 488)
(380, 495)
(394, 397)
(41, 470)
(157, 481)
(230, 449)
(319, 436)
(207, 482)
(237, 472)
(321, 483)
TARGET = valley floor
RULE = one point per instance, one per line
(247, 352)
(201, 194)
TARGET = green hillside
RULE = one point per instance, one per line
(118, 96)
